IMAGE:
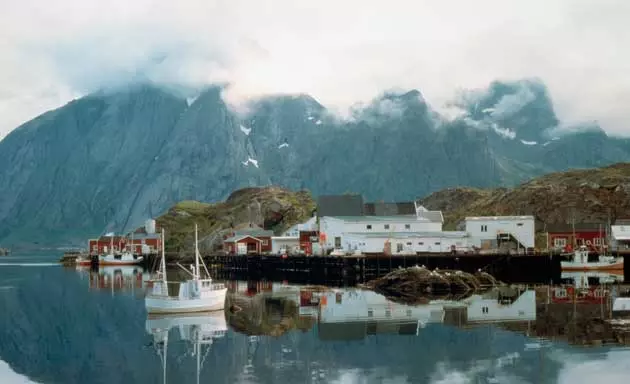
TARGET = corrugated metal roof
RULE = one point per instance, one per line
(496, 218)
(435, 217)
(389, 209)
(340, 205)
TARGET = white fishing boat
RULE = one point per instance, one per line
(195, 295)
(123, 258)
(579, 262)
(199, 329)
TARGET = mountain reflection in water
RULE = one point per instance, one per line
(66, 326)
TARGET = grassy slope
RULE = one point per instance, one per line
(269, 207)
(589, 195)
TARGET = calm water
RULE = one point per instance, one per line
(60, 325)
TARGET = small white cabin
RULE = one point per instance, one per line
(486, 231)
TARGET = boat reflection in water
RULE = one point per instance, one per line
(197, 329)
(114, 279)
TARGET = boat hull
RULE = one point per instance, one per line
(163, 305)
(121, 262)
(617, 265)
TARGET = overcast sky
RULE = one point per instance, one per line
(341, 52)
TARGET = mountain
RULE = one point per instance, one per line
(586, 196)
(108, 161)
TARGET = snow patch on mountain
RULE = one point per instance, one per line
(310, 118)
(529, 142)
(283, 145)
(250, 161)
(245, 130)
(318, 122)
(505, 132)
(191, 100)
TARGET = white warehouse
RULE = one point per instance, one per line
(369, 234)
(401, 243)
(487, 231)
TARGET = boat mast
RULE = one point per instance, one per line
(163, 262)
(196, 254)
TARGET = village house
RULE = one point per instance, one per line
(248, 241)
(620, 237)
(142, 241)
(501, 232)
(566, 237)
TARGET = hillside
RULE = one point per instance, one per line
(266, 207)
(589, 195)
(110, 160)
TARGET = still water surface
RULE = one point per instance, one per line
(63, 325)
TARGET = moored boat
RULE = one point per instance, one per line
(195, 295)
(579, 262)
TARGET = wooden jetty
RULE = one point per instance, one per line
(348, 270)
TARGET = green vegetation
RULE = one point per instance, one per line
(589, 195)
(270, 208)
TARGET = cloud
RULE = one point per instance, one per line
(8, 376)
(339, 52)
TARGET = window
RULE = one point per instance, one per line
(337, 242)
(408, 312)
(399, 247)
(597, 241)
(437, 243)
(519, 224)
(408, 243)
(265, 242)
(369, 226)
(484, 309)
(388, 313)
(370, 313)
(559, 242)
(386, 226)
(484, 228)
(407, 226)
(420, 243)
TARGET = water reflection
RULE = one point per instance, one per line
(199, 330)
(92, 327)
(116, 279)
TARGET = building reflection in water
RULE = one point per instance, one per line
(579, 312)
(133, 279)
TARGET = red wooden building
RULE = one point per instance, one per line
(592, 235)
(142, 244)
(307, 238)
(254, 241)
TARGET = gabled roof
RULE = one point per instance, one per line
(236, 238)
(340, 205)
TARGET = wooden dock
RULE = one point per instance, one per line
(357, 269)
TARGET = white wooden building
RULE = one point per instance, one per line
(290, 244)
(620, 237)
(487, 231)
(401, 243)
(309, 225)
(341, 232)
